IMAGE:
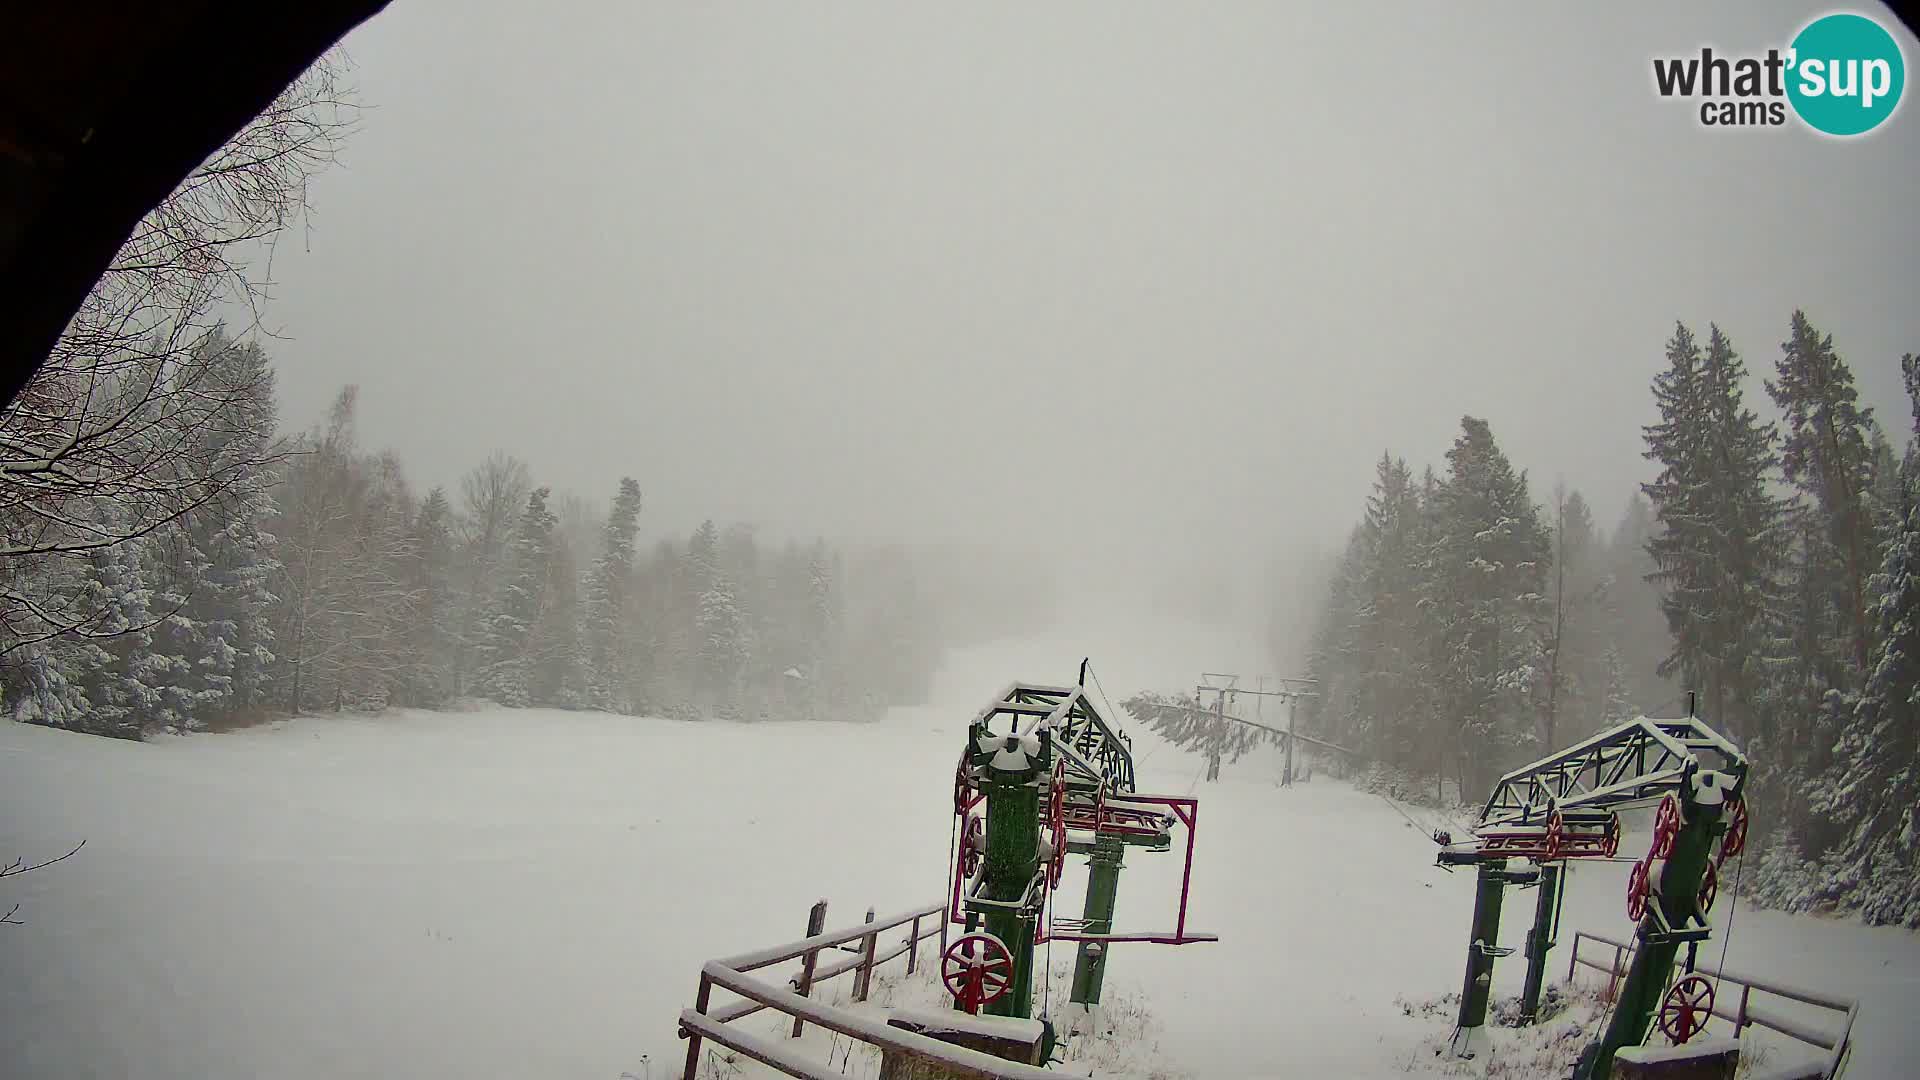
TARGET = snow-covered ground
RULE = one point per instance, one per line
(531, 894)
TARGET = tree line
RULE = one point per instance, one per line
(316, 578)
(1768, 568)
(171, 560)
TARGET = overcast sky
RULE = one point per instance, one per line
(1163, 278)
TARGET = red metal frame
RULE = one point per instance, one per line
(1557, 840)
(1127, 822)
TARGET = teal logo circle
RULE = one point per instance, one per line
(1847, 74)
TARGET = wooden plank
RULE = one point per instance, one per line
(793, 950)
(766, 1053)
(963, 1062)
(1792, 1027)
(816, 921)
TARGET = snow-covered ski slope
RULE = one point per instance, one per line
(530, 894)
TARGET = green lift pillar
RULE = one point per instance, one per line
(1483, 950)
(1012, 783)
(1103, 884)
(1673, 918)
(1545, 924)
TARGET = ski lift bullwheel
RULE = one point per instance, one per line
(1686, 1008)
(1057, 862)
(1709, 888)
(1637, 889)
(977, 969)
(1735, 841)
(973, 845)
(1666, 826)
(962, 785)
(1613, 836)
(1057, 826)
(1556, 834)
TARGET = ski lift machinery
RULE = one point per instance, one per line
(1566, 807)
(1044, 775)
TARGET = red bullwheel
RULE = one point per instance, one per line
(1686, 1009)
(1056, 824)
(1556, 834)
(1735, 841)
(973, 845)
(1666, 826)
(1613, 836)
(962, 785)
(1637, 890)
(977, 969)
(1709, 888)
(1057, 863)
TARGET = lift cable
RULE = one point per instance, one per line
(1733, 906)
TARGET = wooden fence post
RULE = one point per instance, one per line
(913, 946)
(863, 978)
(693, 1038)
(816, 923)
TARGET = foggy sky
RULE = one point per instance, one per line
(1152, 284)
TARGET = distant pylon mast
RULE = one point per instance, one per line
(1224, 687)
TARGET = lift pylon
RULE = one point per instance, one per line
(1565, 806)
(1043, 776)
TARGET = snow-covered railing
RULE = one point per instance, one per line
(1836, 1042)
(731, 974)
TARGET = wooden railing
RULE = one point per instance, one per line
(1837, 1044)
(863, 943)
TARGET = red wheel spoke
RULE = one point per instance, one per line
(974, 970)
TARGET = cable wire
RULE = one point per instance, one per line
(1733, 906)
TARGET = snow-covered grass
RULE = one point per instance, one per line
(529, 893)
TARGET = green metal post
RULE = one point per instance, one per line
(1289, 773)
(1678, 900)
(1539, 941)
(1013, 854)
(1103, 884)
(1481, 952)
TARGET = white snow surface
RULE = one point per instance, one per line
(527, 893)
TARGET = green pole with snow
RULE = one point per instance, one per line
(1673, 917)
(1014, 769)
(1539, 940)
(1103, 886)
(1481, 951)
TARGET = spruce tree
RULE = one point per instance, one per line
(723, 646)
(1826, 453)
(1388, 685)
(610, 644)
(1871, 795)
(1570, 647)
(1491, 593)
(428, 674)
(508, 676)
(559, 673)
(114, 665)
(1718, 545)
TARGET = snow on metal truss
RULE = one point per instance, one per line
(1091, 746)
(1634, 762)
